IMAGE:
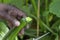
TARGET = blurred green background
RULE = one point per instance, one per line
(45, 15)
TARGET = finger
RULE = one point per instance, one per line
(9, 18)
(21, 32)
(21, 14)
(16, 12)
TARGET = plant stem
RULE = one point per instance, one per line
(42, 36)
(46, 4)
(34, 5)
(47, 27)
(26, 2)
(38, 16)
(46, 8)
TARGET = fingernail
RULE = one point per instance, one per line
(17, 23)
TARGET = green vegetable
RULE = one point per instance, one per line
(13, 33)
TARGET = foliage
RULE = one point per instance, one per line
(54, 8)
(3, 30)
(12, 33)
(49, 18)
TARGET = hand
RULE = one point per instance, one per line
(11, 14)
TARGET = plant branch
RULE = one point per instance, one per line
(38, 16)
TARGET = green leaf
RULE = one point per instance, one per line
(55, 8)
(3, 30)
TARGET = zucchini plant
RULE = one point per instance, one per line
(14, 32)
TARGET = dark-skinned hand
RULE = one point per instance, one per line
(11, 14)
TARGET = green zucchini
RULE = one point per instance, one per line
(14, 32)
